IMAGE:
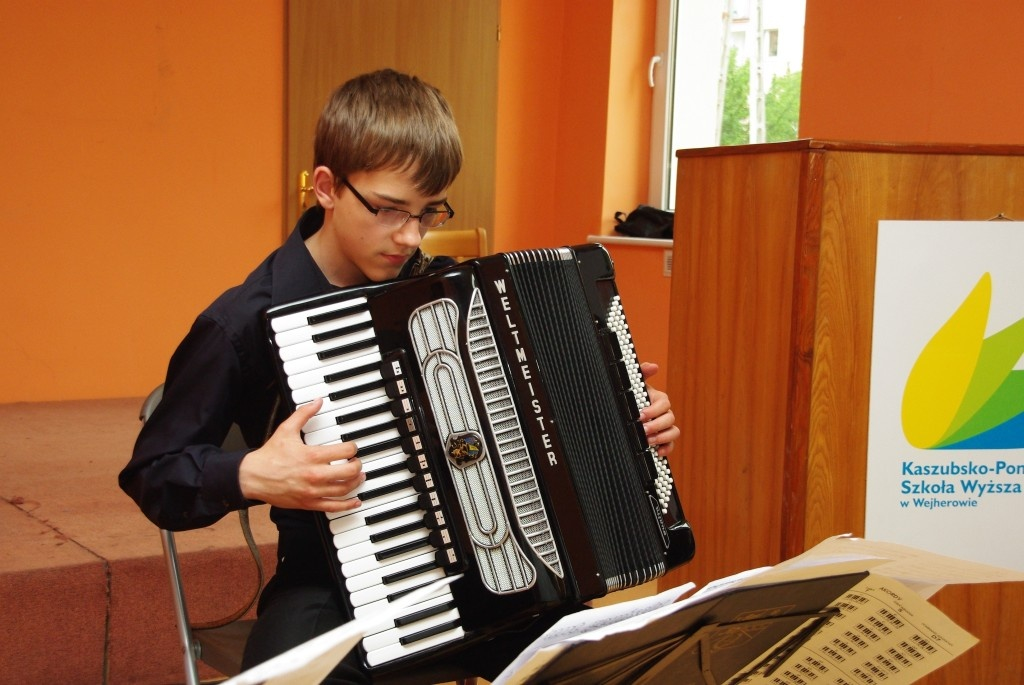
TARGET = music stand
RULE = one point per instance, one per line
(704, 643)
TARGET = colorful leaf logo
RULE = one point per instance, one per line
(963, 391)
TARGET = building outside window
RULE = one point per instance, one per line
(727, 73)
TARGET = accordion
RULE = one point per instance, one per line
(495, 408)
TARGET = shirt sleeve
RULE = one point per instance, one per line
(178, 474)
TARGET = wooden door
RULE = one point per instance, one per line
(451, 44)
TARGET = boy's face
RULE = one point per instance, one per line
(356, 248)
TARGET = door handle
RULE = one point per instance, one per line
(304, 190)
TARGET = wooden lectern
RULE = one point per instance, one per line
(770, 348)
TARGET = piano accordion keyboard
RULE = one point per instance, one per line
(398, 539)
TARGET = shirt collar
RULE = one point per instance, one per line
(295, 274)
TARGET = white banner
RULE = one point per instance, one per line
(946, 432)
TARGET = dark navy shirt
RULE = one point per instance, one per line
(221, 374)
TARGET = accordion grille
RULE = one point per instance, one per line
(602, 463)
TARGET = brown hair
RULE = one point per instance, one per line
(387, 119)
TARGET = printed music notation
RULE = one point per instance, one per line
(847, 611)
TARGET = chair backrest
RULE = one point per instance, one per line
(459, 243)
(219, 644)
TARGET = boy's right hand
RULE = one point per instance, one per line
(285, 472)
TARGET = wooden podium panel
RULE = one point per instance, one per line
(770, 347)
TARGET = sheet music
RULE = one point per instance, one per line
(925, 572)
(886, 633)
(587, 625)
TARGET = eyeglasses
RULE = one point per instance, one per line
(396, 218)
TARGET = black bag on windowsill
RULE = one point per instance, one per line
(645, 222)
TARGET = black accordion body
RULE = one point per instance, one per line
(495, 408)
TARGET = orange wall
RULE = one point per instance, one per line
(574, 115)
(552, 112)
(937, 71)
(141, 176)
(627, 173)
(143, 148)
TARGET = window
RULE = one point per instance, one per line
(727, 73)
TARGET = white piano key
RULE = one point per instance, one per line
(323, 390)
(428, 603)
(298, 342)
(371, 608)
(356, 582)
(331, 434)
(381, 420)
(357, 518)
(370, 564)
(367, 548)
(362, 340)
(381, 499)
(330, 418)
(348, 404)
(381, 591)
(299, 319)
(388, 654)
(373, 463)
(387, 638)
(341, 364)
(356, 535)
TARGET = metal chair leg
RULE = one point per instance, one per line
(180, 609)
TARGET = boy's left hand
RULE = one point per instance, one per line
(658, 419)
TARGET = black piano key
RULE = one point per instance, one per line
(339, 332)
(407, 573)
(341, 419)
(350, 373)
(340, 350)
(392, 513)
(386, 470)
(385, 489)
(392, 596)
(337, 314)
(355, 390)
(396, 531)
(352, 436)
(424, 613)
(398, 550)
(363, 451)
(429, 632)
(408, 445)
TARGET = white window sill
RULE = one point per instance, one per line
(627, 240)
